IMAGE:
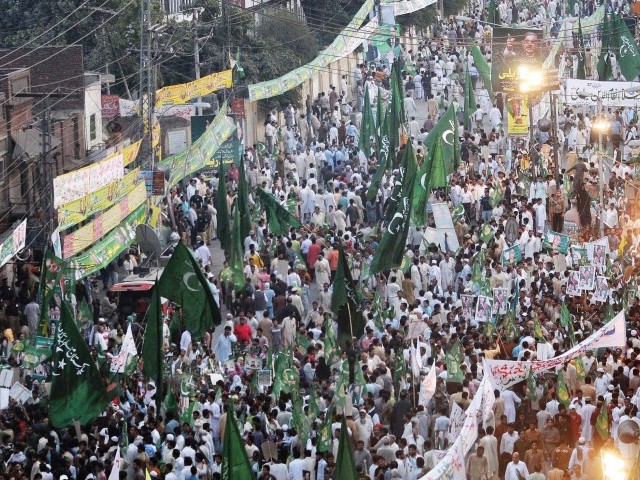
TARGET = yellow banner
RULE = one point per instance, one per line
(78, 210)
(183, 93)
(85, 236)
(130, 153)
(517, 115)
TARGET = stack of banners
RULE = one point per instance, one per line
(105, 251)
(200, 153)
(14, 242)
(74, 185)
(452, 465)
(505, 373)
(345, 43)
(185, 92)
(79, 210)
(93, 231)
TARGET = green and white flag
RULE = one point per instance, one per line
(345, 303)
(235, 462)
(469, 101)
(392, 245)
(78, 393)
(183, 282)
(278, 218)
(432, 175)
(446, 130)
(222, 207)
(628, 52)
(367, 127)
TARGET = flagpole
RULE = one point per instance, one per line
(413, 383)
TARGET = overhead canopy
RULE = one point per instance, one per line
(29, 141)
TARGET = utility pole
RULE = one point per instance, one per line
(196, 53)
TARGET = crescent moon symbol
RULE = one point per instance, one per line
(185, 279)
(423, 181)
(445, 134)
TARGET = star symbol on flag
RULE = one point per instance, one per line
(61, 364)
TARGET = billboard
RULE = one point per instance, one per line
(517, 107)
(513, 48)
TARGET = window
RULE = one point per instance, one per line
(92, 127)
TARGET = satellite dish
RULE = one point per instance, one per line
(149, 243)
(628, 432)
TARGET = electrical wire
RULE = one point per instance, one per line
(52, 27)
(12, 61)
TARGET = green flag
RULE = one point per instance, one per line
(236, 258)
(480, 61)
(399, 367)
(431, 175)
(628, 52)
(489, 329)
(367, 127)
(392, 245)
(238, 71)
(379, 115)
(493, 16)
(454, 359)
(345, 464)
(152, 344)
(396, 113)
(579, 364)
(511, 330)
(242, 203)
(183, 282)
(385, 155)
(565, 316)
(345, 303)
(278, 217)
(605, 72)
(77, 390)
(537, 330)
(469, 101)
(299, 420)
(564, 397)
(222, 207)
(446, 129)
(235, 462)
(325, 434)
(602, 422)
(169, 402)
(85, 316)
(51, 286)
(124, 437)
(581, 72)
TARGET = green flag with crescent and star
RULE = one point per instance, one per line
(581, 72)
(345, 463)
(392, 245)
(446, 129)
(183, 282)
(628, 52)
(78, 393)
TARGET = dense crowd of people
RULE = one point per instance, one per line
(505, 196)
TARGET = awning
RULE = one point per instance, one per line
(29, 142)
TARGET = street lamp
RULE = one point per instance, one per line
(601, 125)
(613, 466)
(534, 80)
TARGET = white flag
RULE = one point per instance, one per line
(117, 463)
(428, 386)
(416, 360)
(127, 351)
